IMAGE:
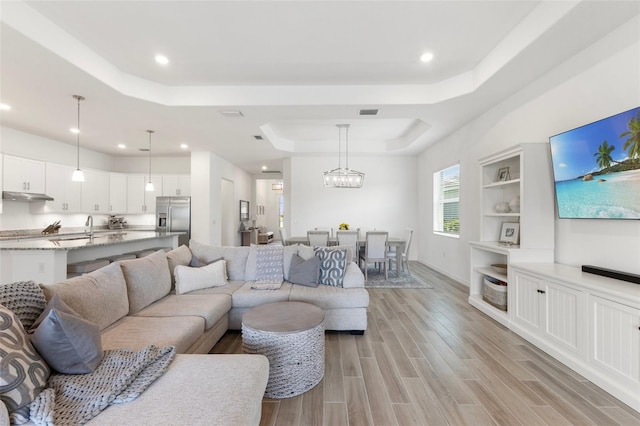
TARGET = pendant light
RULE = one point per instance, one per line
(149, 185)
(78, 175)
(343, 177)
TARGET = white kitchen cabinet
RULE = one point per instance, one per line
(176, 185)
(23, 175)
(95, 192)
(66, 193)
(117, 193)
(138, 199)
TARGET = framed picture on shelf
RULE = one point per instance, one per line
(503, 174)
(509, 233)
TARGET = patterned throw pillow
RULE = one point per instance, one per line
(25, 299)
(269, 264)
(24, 373)
(333, 263)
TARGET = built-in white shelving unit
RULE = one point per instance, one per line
(522, 171)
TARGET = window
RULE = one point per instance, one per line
(281, 211)
(446, 200)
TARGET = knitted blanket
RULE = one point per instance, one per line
(122, 375)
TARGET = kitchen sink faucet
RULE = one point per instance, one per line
(89, 223)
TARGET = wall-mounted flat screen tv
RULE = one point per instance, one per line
(597, 169)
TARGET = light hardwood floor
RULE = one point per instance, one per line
(429, 358)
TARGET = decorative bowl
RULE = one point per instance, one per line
(499, 267)
(503, 207)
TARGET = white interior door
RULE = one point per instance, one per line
(229, 213)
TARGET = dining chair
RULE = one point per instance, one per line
(375, 251)
(283, 236)
(329, 230)
(350, 239)
(408, 233)
(318, 238)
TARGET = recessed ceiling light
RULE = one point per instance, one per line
(264, 167)
(184, 146)
(5, 106)
(74, 130)
(162, 60)
(121, 146)
(426, 57)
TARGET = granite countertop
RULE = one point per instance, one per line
(72, 241)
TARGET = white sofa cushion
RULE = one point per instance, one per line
(353, 276)
(178, 256)
(134, 332)
(211, 307)
(236, 257)
(221, 390)
(99, 296)
(246, 297)
(148, 279)
(189, 279)
(330, 297)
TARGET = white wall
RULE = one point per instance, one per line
(207, 172)
(387, 201)
(576, 93)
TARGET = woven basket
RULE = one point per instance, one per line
(495, 295)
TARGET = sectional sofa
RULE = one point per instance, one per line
(172, 299)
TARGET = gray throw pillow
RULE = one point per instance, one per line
(304, 272)
(67, 342)
(333, 263)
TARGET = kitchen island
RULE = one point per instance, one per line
(44, 259)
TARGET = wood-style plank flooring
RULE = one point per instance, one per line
(429, 358)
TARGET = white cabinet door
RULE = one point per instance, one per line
(66, 193)
(614, 340)
(551, 310)
(562, 316)
(23, 175)
(139, 200)
(527, 306)
(176, 185)
(95, 192)
(117, 193)
(135, 194)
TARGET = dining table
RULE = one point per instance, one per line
(398, 243)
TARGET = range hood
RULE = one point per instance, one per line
(25, 196)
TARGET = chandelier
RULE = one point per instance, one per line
(343, 177)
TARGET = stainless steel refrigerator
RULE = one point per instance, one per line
(173, 214)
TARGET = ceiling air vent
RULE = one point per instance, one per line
(143, 149)
(258, 137)
(368, 112)
(231, 113)
(271, 171)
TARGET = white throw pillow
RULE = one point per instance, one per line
(190, 279)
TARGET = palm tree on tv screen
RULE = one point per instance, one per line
(633, 138)
(603, 156)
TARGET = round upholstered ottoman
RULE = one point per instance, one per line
(291, 336)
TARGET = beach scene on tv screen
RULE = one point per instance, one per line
(597, 168)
